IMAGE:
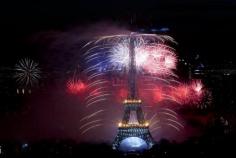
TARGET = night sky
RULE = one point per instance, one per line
(199, 26)
(52, 34)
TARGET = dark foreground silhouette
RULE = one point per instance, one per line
(204, 147)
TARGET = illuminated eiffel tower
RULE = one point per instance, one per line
(133, 132)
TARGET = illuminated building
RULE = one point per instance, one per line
(133, 131)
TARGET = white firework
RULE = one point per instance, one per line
(27, 72)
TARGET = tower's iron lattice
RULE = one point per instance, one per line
(133, 123)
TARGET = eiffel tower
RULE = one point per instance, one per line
(133, 132)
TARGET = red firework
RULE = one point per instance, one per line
(189, 93)
(75, 86)
(158, 95)
(157, 59)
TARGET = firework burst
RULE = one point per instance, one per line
(110, 54)
(165, 118)
(194, 94)
(157, 59)
(75, 86)
(27, 72)
(108, 57)
(153, 55)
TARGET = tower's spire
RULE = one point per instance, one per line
(132, 69)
